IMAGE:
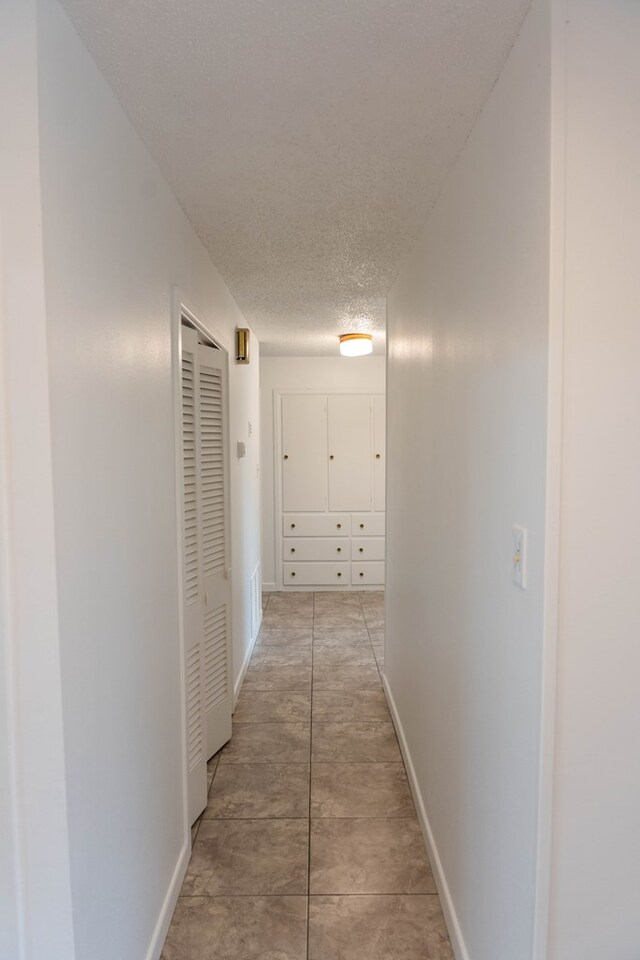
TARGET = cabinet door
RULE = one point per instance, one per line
(304, 453)
(379, 451)
(350, 472)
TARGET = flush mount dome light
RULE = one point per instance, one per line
(355, 344)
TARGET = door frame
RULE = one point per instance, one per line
(182, 310)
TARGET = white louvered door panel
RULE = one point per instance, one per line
(192, 592)
(213, 501)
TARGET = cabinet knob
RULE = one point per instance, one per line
(339, 574)
(286, 456)
(361, 549)
(331, 457)
(362, 574)
(293, 549)
(292, 525)
(362, 526)
(378, 455)
(339, 526)
(293, 574)
(339, 549)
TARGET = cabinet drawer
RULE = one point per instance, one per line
(316, 525)
(367, 548)
(367, 524)
(368, 573)
(320, 574)
(314, 548)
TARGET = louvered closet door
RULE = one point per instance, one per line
(192, 588)
(216, 586)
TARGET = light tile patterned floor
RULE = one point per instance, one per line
(309, 848)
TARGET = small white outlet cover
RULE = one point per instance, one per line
(242, 449)
(519, 556)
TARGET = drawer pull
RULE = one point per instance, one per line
(339, 574)
(378, 455)
(286, 456)
(292, 573)
(362, 574)
(339, 549)
(362, 526)
(339, 526)
(331, 457)
(292, 525)
(361, 549)
(293, 549)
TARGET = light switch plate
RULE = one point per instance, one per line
(519, 556)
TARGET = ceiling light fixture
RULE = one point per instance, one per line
(355, 344)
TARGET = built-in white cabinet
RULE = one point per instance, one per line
(332, 488)
(379, 451)
(304, 444)
(349, 428)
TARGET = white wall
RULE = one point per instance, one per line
(466, 398)
(595, 900)
(113, 243)
(35, 895)
(302, 373)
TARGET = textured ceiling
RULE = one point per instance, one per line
(305, 139)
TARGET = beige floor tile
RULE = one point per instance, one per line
(355, 743)
(343, 656)
(348, 677)
(238, 928)
(259, 790)
(285, 637)
(281, 656)
(248, 858)
(268, 743)
(366, 856)
(275, 617)
(360, 790)
(344, 706)
(272, 706)
(333, 617)
(270, 676)
(340, 636)
(377, 928)
(376, 635)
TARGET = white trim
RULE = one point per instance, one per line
(448, 907)
(269, 587)
(169, 903)
(247, 657)
(555, 397)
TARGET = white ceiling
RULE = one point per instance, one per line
(305, 139)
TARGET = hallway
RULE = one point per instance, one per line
(309, 846)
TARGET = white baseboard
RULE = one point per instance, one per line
(169, 904)
(446, 901)
(247, 657)
(269, 587)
